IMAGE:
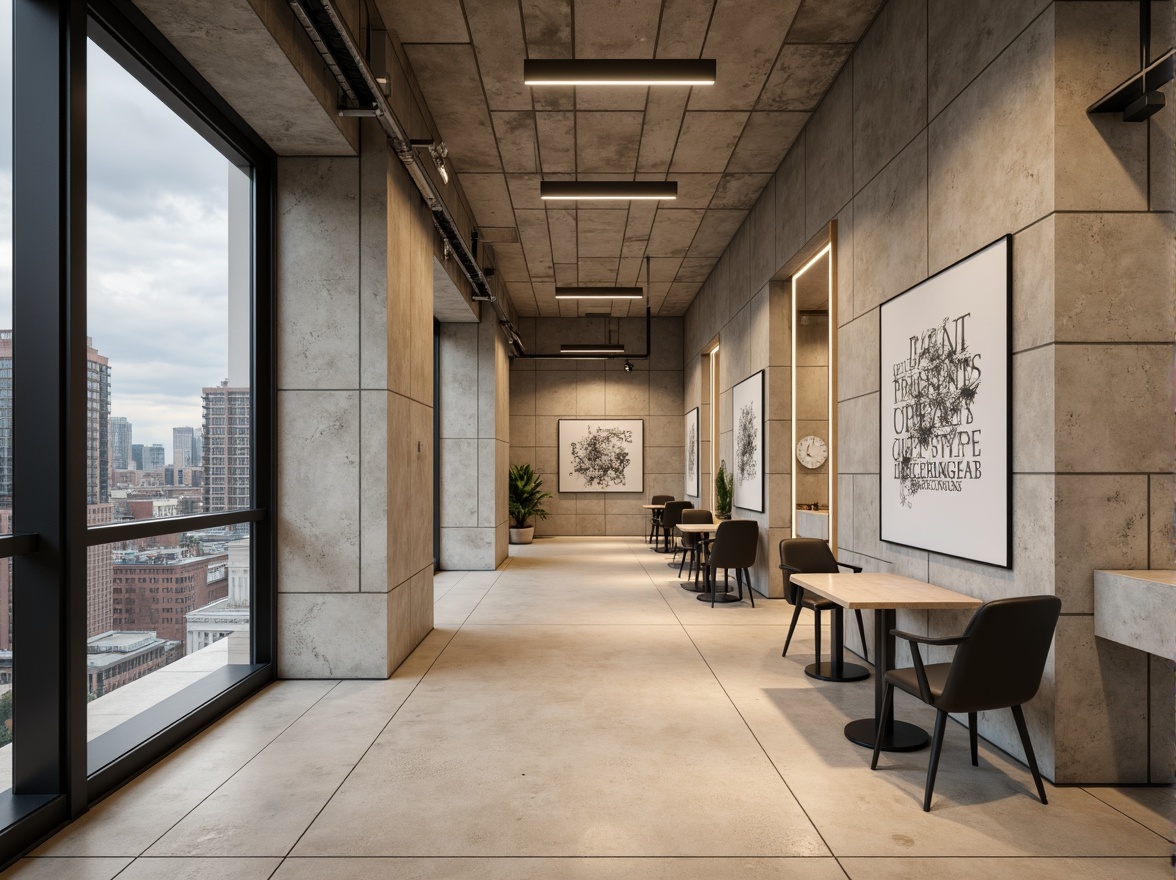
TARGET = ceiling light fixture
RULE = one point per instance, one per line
(619, 72)
(619, 190)
(591, 348)
(599, 293)
(439, 153)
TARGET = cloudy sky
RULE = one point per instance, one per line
(157, 248)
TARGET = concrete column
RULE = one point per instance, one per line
(475, 446)
(354, 442)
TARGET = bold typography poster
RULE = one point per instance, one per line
(945, 411)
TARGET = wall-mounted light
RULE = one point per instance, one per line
(622, 190)
(599, 293)
(438, 151)
(589, 348)
(619, 72)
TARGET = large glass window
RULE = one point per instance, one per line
(135, 407)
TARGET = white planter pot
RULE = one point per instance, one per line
(522, 536)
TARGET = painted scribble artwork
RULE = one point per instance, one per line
(944, 370)
(693, 454)
(747, 405)
(747, 444)
(600, 455)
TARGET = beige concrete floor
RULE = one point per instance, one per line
(578, 714)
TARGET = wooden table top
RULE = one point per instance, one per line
(876, 590)
(696, 528)
(654, 506)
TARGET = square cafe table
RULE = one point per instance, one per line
(884, 594)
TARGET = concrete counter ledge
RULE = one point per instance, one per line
(1138, 609)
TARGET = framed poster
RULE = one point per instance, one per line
(693, 453)
(747, 404)
(945, 420)
(601, 455)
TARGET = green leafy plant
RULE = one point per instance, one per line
(724, 486)
(526, 495)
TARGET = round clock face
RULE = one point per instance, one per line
(811, 451)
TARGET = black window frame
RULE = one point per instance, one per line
(52, 758)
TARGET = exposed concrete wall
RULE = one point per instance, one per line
(951, 125)
(543, 392)
(474, 450)
(355, 390)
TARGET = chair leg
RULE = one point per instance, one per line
(750, 594)
(933, 764)
(795, 617)
(887, 703)
(862, 633)
(681, 564)
(1019, 717)
(972, 739)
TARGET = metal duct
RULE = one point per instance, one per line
(330, 36)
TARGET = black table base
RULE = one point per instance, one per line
(827, 671)
(720, 598)
(906, 737)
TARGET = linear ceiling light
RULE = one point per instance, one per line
(619, 72)
(619, 190)
(590, 348)
(599, 293)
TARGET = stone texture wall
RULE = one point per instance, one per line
(753, 332)
(951, 125)
(354, 402)
(542, 392)
(475, 445)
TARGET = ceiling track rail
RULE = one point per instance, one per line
(330, 35)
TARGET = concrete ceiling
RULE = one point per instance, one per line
(775, 59)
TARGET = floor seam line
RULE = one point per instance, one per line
(1128, 815)
(226, 781)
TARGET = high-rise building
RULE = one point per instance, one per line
(155, 589)
(137, 456)
(120, 443)
(97, 426)
(182, 442)
(227, 434)
(6, 418)
(156, 457)
(197, 448)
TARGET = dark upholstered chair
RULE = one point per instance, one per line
(998, 664)
(691, 545)
(812, 556)
(734, 547)
(671, 516)
(655, 518)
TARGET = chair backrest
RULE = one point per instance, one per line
(672, 515)
(735, 545)
(809, 555)
(1001, 662)
(661, 499)
(694, 516)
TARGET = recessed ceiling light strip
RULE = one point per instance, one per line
(599, 293)
(619, 71)
(619, 190)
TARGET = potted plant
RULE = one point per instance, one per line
(724, 486)
(526, 496)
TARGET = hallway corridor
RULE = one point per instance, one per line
(578, 714)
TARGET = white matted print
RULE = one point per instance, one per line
(693, 453)
(747, 403)
(601, 455)
(945, 430)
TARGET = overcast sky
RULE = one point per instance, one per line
(157, 229)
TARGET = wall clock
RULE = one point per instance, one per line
(811, 451)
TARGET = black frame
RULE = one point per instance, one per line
(697, 454)
(763, 451)
(1008, 240)
(52, 759)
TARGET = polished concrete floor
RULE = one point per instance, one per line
(577, 714)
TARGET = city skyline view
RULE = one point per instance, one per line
(157, 247)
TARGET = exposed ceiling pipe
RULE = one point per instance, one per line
(330, 36)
